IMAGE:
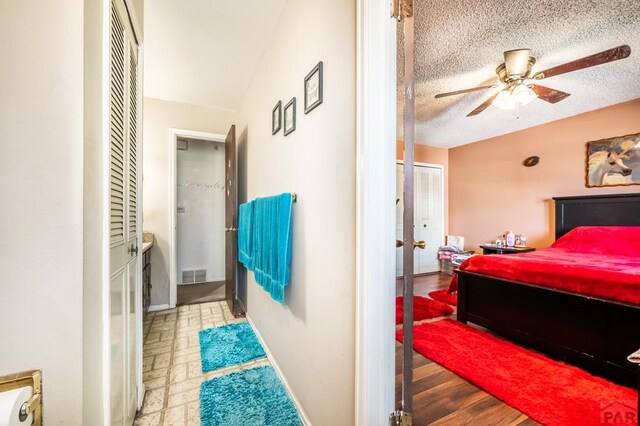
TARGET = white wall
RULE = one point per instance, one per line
(41, 134)
(312, 337)
(159, 117)
(200, 235)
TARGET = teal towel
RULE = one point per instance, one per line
(245, 220)
(264, 245)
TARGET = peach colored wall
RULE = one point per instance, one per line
(432, 155)
(492, 192)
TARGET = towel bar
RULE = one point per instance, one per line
(294, 197)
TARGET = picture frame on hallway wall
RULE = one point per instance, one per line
(290, 116)
(276, 118)
(614, 161)
(313, 88)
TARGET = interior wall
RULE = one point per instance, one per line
(432, 155)
(41, 129)
(492, 192)
(200, 233)
(312, 337)
(159, 117)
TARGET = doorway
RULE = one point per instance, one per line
(200, 221)
(428, 215)
(197, 200)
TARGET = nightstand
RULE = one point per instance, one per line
(493, 249)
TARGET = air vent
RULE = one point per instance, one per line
(187, 277)
(191, 276)
(200, 275)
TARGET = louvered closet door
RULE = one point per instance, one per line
(124, 137)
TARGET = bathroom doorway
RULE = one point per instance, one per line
(199, 271)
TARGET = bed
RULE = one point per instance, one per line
(596, 328)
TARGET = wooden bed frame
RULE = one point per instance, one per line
(592, 333)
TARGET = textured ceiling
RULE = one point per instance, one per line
(459, 45)
(204, 52)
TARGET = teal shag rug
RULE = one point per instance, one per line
(229, 345)
(254, 397)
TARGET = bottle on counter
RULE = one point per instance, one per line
(511, 239)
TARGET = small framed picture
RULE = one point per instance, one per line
(276, 118)
(313, 88)
(290, 117)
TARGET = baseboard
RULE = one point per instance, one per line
(303, 415)
(155, 308)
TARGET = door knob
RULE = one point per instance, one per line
(231, 229)
(416, 244)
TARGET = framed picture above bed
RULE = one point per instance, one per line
(614, 161)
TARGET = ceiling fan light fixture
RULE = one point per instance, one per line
(504, 100)
(523, 94)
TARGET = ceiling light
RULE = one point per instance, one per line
(517, 94)
(504, 100)
(523, 94)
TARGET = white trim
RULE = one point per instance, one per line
(140, 280)
(156, 308)
(106, 236)
(375, 213)
(173, 219)
(276, 367)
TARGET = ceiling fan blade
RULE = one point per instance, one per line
(460, 92)
(610, 55)
(483, 106)
(550, 95)
(517, 61)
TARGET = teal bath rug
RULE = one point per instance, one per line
(254, 397)
(229, 345)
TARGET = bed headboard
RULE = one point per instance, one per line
(596, 210)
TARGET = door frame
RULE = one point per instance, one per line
(174, 134)
(443, 228)
(375, 213)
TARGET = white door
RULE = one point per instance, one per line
(428, 217)
(125, 233)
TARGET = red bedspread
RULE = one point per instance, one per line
(601, 262)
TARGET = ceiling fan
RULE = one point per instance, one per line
(518, 81)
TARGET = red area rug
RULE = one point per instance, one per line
(423, 308)
(548, 391)
(445, 296)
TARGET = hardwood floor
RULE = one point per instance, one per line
(440, 397)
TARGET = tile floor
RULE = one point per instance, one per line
(172, 372)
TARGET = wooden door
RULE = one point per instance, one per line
(402, 10)
(231, 222)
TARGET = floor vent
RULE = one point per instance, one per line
(192, 276)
